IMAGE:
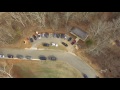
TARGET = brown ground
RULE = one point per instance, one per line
(96, 62)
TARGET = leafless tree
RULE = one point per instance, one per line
(17, 17)
(4, 73)
(100, 33)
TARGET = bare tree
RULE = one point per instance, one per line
(67, 16)
(4, 73)
(17, 17)
(100, 33)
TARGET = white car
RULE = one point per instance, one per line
(39, 36)
(43, 35)
(2, 56)
(54, 44)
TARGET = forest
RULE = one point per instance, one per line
(103, 29)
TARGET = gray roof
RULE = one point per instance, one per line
(80, 33)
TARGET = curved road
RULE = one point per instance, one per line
(70, 58)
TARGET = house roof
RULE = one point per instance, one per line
(79, 33)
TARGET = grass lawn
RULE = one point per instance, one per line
(45, 69)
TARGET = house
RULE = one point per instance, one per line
(79, 33)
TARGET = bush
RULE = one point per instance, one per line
(89, 42)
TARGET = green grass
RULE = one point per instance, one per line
(45, 69)
(89, 42)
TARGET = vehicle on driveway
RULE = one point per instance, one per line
(42, 57)
(58, 35)
(39, 36)
(20, 56)
(97, 77)
(46, 44)
(70, 38)
(54, 35)
(46, 35)
(84, 75)
(73, 42)
(31, 39)
(62, 35)
(50, 35)
(28, 57)
(2, 56)
(10, 56)
(64, 44)
(54, 44)
(53, 58)
(35, 37)
(43, 35)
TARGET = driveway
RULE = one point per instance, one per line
(55, 40)
(70, 58)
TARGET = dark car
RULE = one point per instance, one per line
(97, 77)
(73, 42)
(10, 56)
(42, 57)
(53, 58)
(28, 57)
(58, 35)
(20, 56)
(31, 40)
(46, 35)
(62, 35)
(54, 35)
(35, 37)
(46, 44)
(64, 44)
(84, 75)
(69, 39)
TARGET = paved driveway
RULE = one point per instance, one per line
(68, 57)
(61, 55)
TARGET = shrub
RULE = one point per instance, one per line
(89, 42)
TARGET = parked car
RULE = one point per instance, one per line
(64, 44)
(53, 58)
(46, 44)
(10, 56)
(58, 35)
(70, 38)
(43, 35)
(35, 37)
(20, 56)
(73, 42)
(54, 44)
(39, 36)
(46, 35)
(50, 35)
(54, 35)
(62, 35)
(84, 75)
(2, 56)
(28, 57)
(42, 57)
(97, 77)
(31, 39)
